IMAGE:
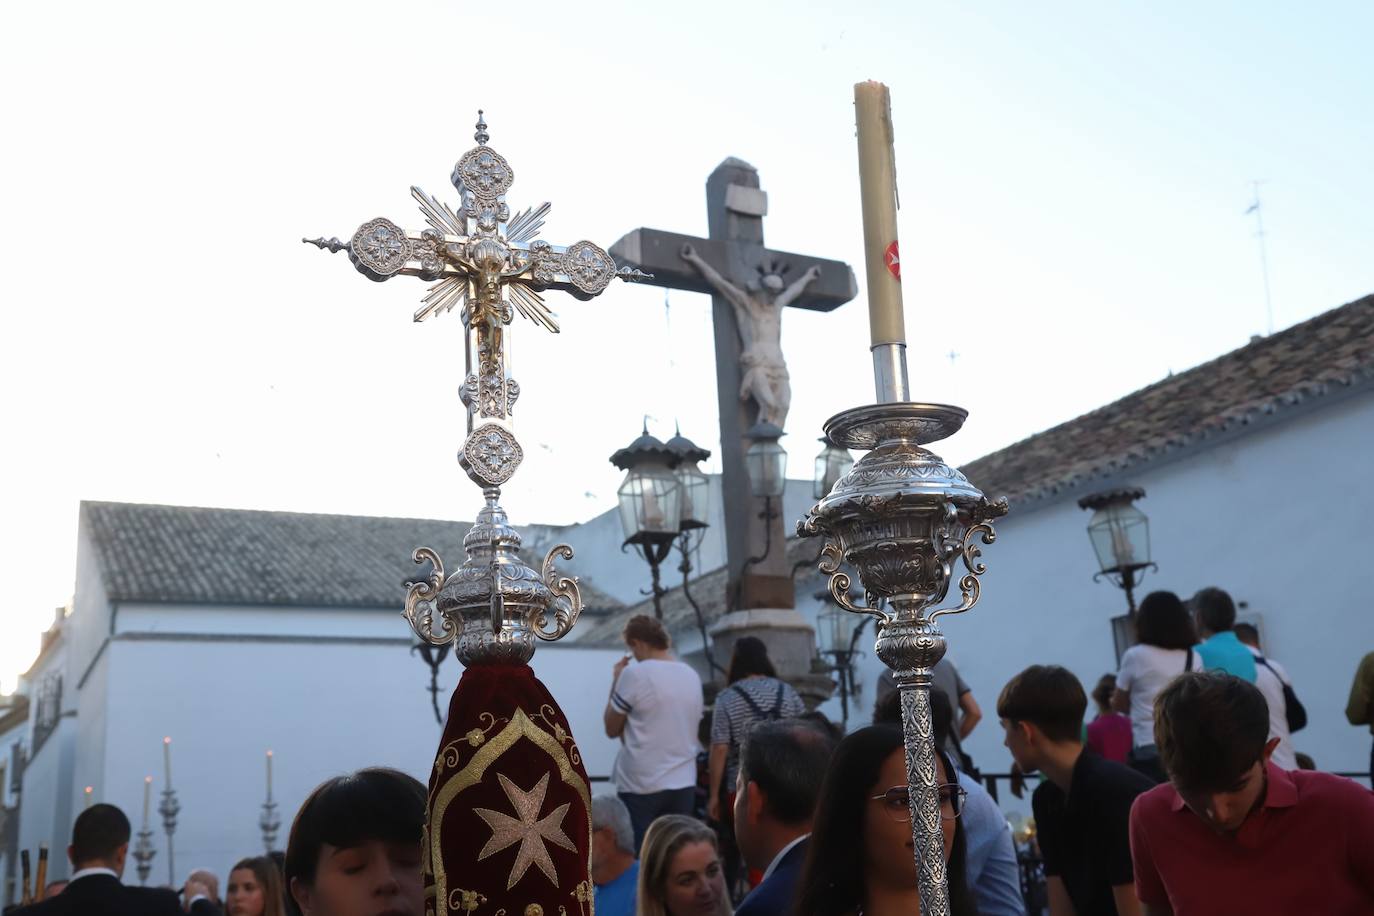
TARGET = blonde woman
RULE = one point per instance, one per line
(254, 889)
(680, 872)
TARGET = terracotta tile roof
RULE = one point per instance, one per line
(1331, 352)
(184, 555)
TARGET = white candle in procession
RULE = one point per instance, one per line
(878, 195)
(90, 791)
(147, 798)
(167, 760)
(269, 775)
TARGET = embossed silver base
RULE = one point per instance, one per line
(902, 518)
(143, 853)
(493, 606)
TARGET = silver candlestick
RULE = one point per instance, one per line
(270, 824)
(902, 517)
(169, 809)
(144, 853)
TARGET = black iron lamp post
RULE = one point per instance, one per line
(696, 512)
(650, 503)
(1120, 535)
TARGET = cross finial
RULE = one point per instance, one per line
(481, 136)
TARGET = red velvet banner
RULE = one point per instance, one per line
(509, 821)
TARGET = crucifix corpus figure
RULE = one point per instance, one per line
(758, 315)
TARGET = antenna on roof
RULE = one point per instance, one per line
(1264, 254)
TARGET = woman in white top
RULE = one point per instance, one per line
(1163, 650)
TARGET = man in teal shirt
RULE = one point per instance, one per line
(1220, 650)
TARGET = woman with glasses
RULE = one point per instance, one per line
(861, 860)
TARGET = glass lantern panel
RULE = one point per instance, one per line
(650, 501)
(696, 495)
(837, 627)
(766, 462)
(831, 464)
(1120, 536)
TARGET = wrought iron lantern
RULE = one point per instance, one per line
(1120, 535)
(651, 495)
(766, 460)
(831, 464)
(839, 632)
(650, 503)
(696, 486)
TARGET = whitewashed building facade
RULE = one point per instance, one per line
(237, 631)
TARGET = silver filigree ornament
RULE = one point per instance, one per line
(590, 268)
(379, 247)
(491, 455)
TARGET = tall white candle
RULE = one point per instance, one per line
(878, 195)
(167, 760)
(269, 775)
(90, 791)
(147, 798)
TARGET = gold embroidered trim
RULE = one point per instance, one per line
(520, 726)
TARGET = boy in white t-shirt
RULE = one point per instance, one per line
(655, 710)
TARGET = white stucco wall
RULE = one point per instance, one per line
(1278, 517)
(324, 708)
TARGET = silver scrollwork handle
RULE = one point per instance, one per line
(840, 582)
(969, 586)
(420, 601)
(567, 603)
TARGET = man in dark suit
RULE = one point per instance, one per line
(100, 845)
(780, 771)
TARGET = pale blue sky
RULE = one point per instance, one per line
(1073, 179)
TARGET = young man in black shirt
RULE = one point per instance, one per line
(1083, 807)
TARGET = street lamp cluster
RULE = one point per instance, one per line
(664, 496)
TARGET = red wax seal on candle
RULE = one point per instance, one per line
(894, 263)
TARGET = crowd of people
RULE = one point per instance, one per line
(354, 850)
(1183, 795)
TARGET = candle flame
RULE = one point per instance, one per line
(167, 740)
(90, 789)
(148, 779)
(269, 753)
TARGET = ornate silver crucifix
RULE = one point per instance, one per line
(489, 265)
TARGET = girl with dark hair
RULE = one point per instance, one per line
(754, 694)
(355, 846)
(861, 858)
(254, 889)
(1163, 651)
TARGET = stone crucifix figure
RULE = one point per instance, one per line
(758, 315)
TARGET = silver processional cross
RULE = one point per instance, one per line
(488, 265)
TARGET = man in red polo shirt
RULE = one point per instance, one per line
(1232, 833)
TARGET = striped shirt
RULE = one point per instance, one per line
(734, 716)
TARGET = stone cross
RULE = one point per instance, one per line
(750, 285)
